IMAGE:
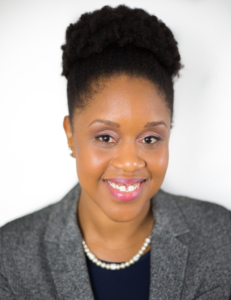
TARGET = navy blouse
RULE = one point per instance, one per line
(129, 283)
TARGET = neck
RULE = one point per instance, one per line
(104, 235)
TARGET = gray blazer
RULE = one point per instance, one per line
(41, 255)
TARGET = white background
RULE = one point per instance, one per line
(35, 168)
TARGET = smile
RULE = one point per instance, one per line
(125, 192)
(124, 188)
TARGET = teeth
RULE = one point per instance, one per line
(122, 188)
(113, 185)
(131, 188)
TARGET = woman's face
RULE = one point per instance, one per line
(123, 133)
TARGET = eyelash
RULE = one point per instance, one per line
(150, 136)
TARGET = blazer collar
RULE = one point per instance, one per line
(65, 252)
(68, 263)
(168, 254)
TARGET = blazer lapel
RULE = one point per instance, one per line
(168, 254)
(65, 253)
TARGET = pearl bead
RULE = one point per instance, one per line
(113, 266)
(91, 255)
(136, 257)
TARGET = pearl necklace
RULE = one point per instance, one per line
(116, 266)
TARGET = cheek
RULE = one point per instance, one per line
(158, 162)
(90, 162)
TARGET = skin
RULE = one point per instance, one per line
(115, 230)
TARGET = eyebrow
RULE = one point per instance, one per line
(117, 125)
(152, 124)
(106, 122)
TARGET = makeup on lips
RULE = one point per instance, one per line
(125, 189)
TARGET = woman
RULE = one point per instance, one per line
(116, 235)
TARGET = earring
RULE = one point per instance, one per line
(71, 154)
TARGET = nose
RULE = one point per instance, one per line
(127, 158)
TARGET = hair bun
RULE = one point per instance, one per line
(120, 26)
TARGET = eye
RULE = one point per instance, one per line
(151, 139)
(105, 138)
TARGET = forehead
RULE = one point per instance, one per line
(125, 99)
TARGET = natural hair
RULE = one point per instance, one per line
(114, 41)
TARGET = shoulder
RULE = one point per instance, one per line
(204, 217)
(23, 248)
(204, 229)
(30, 229)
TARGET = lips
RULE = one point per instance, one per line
(125, 196)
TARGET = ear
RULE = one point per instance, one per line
(69, 134)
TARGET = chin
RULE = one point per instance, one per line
(122, 216)
(119, 219)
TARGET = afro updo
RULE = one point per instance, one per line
(112, 41)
